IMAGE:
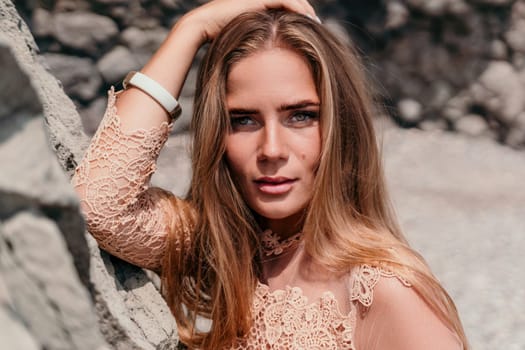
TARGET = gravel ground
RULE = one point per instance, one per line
(461, 206)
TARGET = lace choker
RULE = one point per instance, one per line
(272, 245)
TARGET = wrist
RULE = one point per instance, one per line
(193, 28)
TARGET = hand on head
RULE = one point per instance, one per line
(214, 15)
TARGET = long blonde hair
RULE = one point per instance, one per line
(212, 263)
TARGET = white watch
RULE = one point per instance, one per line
(154, 90)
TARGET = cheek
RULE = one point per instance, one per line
(235, 157)
(311, 155)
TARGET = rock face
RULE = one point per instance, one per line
(57, 289)
(42, 295)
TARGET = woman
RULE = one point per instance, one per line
(286, 239)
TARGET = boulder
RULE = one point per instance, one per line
(500, 91)
(84, 31)
(116, 64)
(78, 75)
(41, 287)
(69, 295)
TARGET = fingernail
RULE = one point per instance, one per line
(316, 18)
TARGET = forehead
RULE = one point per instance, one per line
(274, 75)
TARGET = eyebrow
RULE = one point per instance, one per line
(286, 107)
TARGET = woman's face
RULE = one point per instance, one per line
(274, 145)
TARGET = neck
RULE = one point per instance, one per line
(285, 227)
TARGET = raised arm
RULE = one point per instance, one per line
(129, 219)
(126, 217)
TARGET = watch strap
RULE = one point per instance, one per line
(154, 90)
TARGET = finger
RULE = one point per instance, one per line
(308, 8)
(299, 6)
(310, 11)
(290, 5)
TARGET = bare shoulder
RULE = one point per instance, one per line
(398, 318)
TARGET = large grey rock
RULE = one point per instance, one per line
(38, 209)
(409, 110)
(116, 64)
(438, 7)
(397, 15)
(494, 2)
(461, 204)
(143, 42)
(42, 23)
(92, 115)
(45, 290)
(55, 103)
(135, 315)
(78, 75)
(13, 333)
(174, 165)
(472, 124)
(84, 31)
(38, 204)
(500, 90)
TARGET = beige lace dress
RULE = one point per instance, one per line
(129, 219)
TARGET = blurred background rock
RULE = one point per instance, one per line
(455, 65)
(449, 76)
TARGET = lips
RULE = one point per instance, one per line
(274, 185)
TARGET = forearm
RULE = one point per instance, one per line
(128, 218)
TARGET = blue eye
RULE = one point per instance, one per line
(304, 116)
(242, 122)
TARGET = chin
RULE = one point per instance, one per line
(273, 211)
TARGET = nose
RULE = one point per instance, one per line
(273, 145)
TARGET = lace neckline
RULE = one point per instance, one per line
(273, 245)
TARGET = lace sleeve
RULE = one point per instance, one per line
(126, 217)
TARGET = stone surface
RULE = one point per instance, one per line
(42, 23)
(494, 2)
(43, 298)
(409, 110)
(472, 124)
(84, 31)
(500, 91)
(13, 333)
(92, 115)
(55, 103)
(397, 15)
(498, 50)
(143, 40)
(116, 64)
(78, 75)
(132, 315)
(45, 290)
(38, 207)
(174, 165)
